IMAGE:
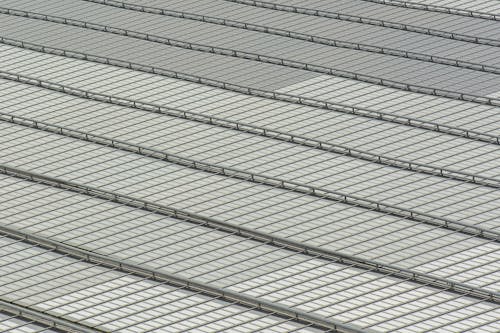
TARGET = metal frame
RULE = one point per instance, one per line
(47, 319)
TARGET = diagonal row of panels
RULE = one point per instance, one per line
(297, 156)
(102, 296)
(28, 196)
(407, 75)
(485, 9)
(246, 17)
(176, 27)
(139, 134)
(301, 95)
(202, 193)
(261, 175)
(242, 72)
(467, 29)
(262, 271)
(126, 146)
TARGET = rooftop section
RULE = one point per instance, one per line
(244, 166)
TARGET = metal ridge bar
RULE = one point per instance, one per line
(243, 127)
(283, 97)
(422, 278)
(293, 186)
(174, 279)
(367, 20)
(44, 318)
(437, 9)
(301, 36)
(259, 58)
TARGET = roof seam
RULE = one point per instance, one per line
(46, 318)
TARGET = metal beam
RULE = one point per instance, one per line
(46, 319)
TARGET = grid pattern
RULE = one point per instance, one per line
(185, 166)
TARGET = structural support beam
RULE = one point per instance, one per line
(177, 280)
(406, 274)
(45, 319)
(260, 58)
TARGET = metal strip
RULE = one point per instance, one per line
(370, 21)
(259, 58)
(301, 36)
(343, 108)
(45, 318)
(176, 280)
(422, 278)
